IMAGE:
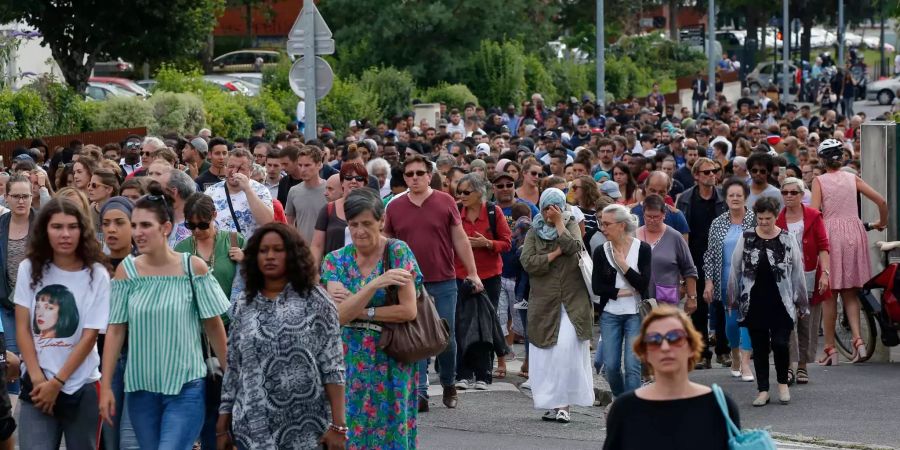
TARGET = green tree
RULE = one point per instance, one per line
(347, 101)
(537, 78)
(497, 73)
(393, 87)
(453, 95)
(433, 39)
(79, 32)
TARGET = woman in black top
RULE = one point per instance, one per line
(683, 414)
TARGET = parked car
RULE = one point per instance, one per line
(123, 83)
(766, 76)
(229, 84)
(883, 91)
(246, 60)
(254, 78)
(114, 68)
(146, 84)
(104, 91)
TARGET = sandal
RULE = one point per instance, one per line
(790, 377)
(562, 416)
(549, 416)
(802, 376)
(499, 373)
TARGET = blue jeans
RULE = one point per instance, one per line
(444, 293)
(8, 318)
(737, 335)
(121, 434)
(168, 421)
(619, 331)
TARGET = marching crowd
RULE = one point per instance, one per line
(184, 290)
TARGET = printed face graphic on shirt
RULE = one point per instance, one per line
(55, 312)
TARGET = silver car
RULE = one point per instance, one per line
(767, 76)
(883, 91)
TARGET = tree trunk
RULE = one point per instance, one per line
(806, 37)
(673, 20)
(75, 69)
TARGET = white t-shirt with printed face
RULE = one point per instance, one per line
(60, 307)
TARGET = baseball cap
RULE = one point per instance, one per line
(199, 144)
(596, 131)
(601, 174)
(354, 123)
(551, 136)
(501, 175)
(610, 188)
(482, 148)
(442, 123)
(773, 139)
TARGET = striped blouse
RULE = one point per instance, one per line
(164, 326)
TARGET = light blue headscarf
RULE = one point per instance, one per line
(546, 230)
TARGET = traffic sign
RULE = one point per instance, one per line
(324, 78)
(297, 37)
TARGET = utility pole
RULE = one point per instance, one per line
(840, 36)
(710, 49)
(601, 57)
(883, 71)
(785, 51)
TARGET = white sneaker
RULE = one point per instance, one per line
(525, 385)
(480, 386)
(463, 385)
(521, 305)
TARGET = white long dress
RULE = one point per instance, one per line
(561, 375)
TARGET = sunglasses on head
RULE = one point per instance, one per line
(675, 338)
(196, 226)
(415, 173)
(357, 178)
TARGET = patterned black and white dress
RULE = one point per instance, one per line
(281, 354)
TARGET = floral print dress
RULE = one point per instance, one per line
(380, 391)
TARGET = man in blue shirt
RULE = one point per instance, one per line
(659, 183)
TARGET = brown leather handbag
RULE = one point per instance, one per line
(423, 337)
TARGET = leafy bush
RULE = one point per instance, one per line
(63, 103)
(225, 116)
(171, 79)
(453, 95)
(625, 79)
(394, 88)
(347, 101)
(537, 79)
(266, 109)
(126, 112)
(276, 77)
(177, 113)
(24, 114)
(572, 79)
(497, 73)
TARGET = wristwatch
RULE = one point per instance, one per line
(692, 297)
(371, 313)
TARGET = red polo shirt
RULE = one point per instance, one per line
(487, 260)
(427, 230)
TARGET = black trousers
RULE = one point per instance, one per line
(478, 361)
(778, 341)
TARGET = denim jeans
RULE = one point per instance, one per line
(80, 427)
(619, 331)
(8, 318)
(121, 434)
(444, 293)
(168, 421)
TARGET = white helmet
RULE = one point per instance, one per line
(831, 150)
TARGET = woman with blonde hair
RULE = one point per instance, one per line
(80, 200)
(669, 346)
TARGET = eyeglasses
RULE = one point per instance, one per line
(464, 193)
(650, 218)
(20, 197)
(415, 173)
(96, 185)
(789, 192)
(133, 145)
(504, 186)
(146, 154)
(759, 171)
(607, 224)
(357, 178)
(675, 338)
(196, 226)
(455, 155)
(537, 174)
(708, 171)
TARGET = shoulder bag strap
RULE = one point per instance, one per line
(204, 342)
(385, 266)
(237, 225)
(723, 406)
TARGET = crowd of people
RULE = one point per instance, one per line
(192, 289)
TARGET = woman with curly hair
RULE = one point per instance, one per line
(357, 278)
(271, 388)
(62, 303)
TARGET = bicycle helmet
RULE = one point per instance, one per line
(831, 150)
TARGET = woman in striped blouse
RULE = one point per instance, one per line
(162, 308)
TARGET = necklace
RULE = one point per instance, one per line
(211, 262)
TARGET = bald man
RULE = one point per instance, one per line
(333, 190)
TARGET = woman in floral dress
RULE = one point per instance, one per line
(381, 397)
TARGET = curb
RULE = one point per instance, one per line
(827, 442)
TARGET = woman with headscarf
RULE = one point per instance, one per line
(559, 312)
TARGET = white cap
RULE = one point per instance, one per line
(482, 148)
(354, 123)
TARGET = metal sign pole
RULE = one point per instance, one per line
(310, 130)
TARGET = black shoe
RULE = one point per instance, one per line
(450, 397)
(423, 404)
(704, 363)
(549, 416)
(724, 360)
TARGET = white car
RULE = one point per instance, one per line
(874, 43)
(229, 84)
(883, 91)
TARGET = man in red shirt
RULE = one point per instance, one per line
(428, 221)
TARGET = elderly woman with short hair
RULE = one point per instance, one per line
(381, 170)
(559, 312)
(487, 247)
(621, 277)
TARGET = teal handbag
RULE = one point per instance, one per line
(746, 439)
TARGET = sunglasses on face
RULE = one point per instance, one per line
(708, 171)
(133, 145)
(196, 226)
(759, 171)
(464, 193)
(675, 338)
(96, 185)
(789, 192)
(357, 178)
(537, 174)
(145, 154)
(504, 186)
(415, 173)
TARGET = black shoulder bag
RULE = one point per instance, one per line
(214, 373)
(237, 225)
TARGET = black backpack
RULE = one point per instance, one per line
(492, 217)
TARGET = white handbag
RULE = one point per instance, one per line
(586, 264)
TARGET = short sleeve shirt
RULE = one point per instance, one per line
(427, 229)
(304, 204)
(224, 221)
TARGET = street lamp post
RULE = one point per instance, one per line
(601, 57)
(710, 39)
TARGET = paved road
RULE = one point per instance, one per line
(848, 406)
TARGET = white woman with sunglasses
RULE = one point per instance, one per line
(669, 346)
(808, 227)
(220, 249)
(331, 231)
(532, 173)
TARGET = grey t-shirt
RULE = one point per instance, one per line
(671, 261)
(303, 205)
(770, 191)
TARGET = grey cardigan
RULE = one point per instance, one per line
(5, 219)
